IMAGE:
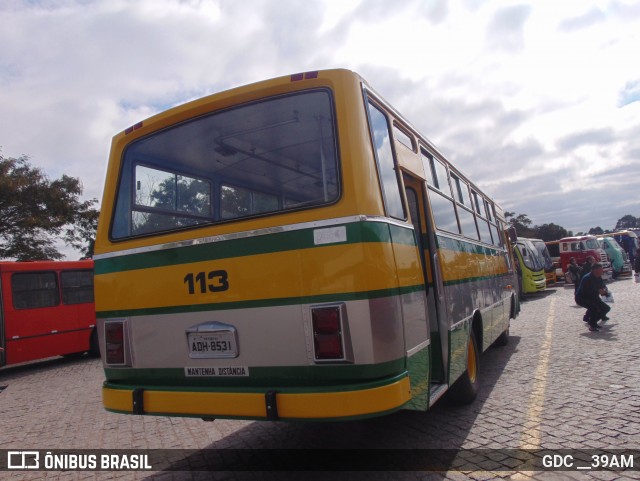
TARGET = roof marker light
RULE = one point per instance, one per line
(132, 128)
(304, 76)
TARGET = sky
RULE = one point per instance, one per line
(537, 102)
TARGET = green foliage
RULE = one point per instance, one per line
(521, 223)
(627, 222)
(546, 232)
(34, 211)
(550, 232)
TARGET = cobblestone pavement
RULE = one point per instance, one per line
(555, 386)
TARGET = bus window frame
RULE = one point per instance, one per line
(213, 220)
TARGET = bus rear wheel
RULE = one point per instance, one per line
(465, 389)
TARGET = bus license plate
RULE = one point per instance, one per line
(212, 345)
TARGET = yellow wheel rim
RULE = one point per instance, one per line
(472, 367)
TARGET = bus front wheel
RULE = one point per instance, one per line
(465, 389)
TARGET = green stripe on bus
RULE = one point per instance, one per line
(459, 245)
(290, 379)
(285, 301)
(468, 280)
(358, 232)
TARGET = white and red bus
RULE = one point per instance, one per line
(46, 310)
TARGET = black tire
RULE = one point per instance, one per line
(465, 389)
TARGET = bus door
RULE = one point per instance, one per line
(438, 327)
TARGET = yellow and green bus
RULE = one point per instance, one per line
(531, 273)
(294, 249)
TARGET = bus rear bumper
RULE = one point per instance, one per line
(357, 402)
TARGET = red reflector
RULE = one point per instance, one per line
(326, 320)
(327, 332)
(304, 76)
(114, 342)
(328, 347)
(132, 128)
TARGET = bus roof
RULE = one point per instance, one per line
(253, 91)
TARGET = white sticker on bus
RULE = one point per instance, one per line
(330, 235)
(229, 371)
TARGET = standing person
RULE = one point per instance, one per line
(588, 296)
(636, 266)
(574, 272)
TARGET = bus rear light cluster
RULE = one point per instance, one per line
(114, 342)
(327, 333)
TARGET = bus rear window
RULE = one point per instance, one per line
(255, 159)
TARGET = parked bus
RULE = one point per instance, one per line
(294, 249)
(46, 310)
(582, 247)
(628, 240)
(620, 264)
(531, 275)
(547, 261)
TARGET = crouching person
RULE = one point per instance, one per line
(588, 296)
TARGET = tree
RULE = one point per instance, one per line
(546, 232)
(550, 232)
(521, 223)
(596, 231)
(35, 211)
(628, 222)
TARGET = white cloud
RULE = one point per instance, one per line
(502, 87)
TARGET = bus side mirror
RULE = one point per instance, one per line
(513, 236)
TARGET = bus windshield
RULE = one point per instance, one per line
(543, 253)
(592, 244)
(263, 157)
(530, 255)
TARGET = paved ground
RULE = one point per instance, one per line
(555, 386)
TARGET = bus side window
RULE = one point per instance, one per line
(476, 203)
(443, 211)
(461, 189)
(404, 138)
(386, 163)
(35, 289)
(440, 174)
(77, 287)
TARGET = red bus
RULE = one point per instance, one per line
(46, 310)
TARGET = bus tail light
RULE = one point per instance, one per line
(114, 342)
(327, 333)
